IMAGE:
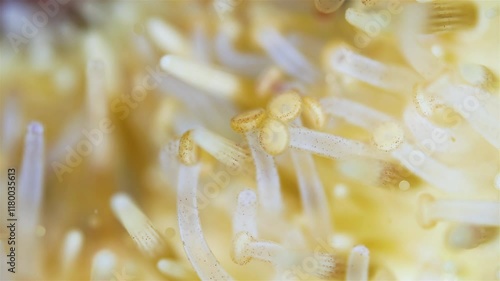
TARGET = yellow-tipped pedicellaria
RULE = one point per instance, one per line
(328, 6)
(312, 113)
(274, 136)
(267, 178)
(240, 252)
(247, 121)
(285, 107)
(188, 150)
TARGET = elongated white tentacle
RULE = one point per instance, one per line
(197, 250)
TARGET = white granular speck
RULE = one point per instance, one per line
(340, 191)
(404, 185)
(341, 241)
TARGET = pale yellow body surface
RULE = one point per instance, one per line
(250, 140)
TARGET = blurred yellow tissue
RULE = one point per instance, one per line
(352, 140)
